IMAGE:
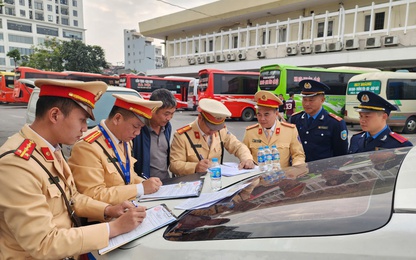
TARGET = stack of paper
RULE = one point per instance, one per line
(231, 169)
(178, 190)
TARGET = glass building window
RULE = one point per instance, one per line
(75, 13)
(1, 49)
(321, 28)
(47, 31)
(2, 61)
(20, 39)
(38, 6)
(22, 13)
(50, 8)
(65, 21)
(74, 3)
(76, 23)
(23, 27)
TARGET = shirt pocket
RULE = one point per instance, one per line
(54, 199)
(321, 135)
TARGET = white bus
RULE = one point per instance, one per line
(399, 88)
(192, 91)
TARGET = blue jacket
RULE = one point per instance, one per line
(141, 150)
(385, 140)
(326, 137)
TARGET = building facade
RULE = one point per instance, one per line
(24, 23)
(326, 33)
(140, 54)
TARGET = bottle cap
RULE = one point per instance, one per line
(214, 159)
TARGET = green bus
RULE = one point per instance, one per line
(283, 79)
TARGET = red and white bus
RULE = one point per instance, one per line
(145, 85)
(6, 87)
(235, 89)
(22, 91)
(192, 91)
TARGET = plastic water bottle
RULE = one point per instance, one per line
(215, 174)
(275, 159)
(268, 160)
(260, 159)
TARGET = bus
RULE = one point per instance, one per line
(399, 88)
(235, 89)
(145, 85)
(283, 79)
(22, 91)
(192, 91)
(6, 87)
(85, 76)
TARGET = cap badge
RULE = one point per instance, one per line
(307, 85)
(263, 97)
(98, 96)
(365, 98)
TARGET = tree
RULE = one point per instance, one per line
(15, 55)
(46, 56)
(81, 57)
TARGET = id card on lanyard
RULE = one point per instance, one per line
(126, 169)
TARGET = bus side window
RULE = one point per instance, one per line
(395, 90)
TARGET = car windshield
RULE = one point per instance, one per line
(337, 196)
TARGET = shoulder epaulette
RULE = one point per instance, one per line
(287, 124)
(297, 113)
(184, 129)
(25, 149)
(398, 137)
(336, 117)
(252, 126)
(92, 136)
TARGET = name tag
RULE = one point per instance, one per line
(323, 127)
(256, 141)
(56, 178)
(198, 145)
(112, 160)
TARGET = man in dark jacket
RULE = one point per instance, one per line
(151, 147)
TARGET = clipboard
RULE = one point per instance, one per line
(156, 217)
(176, 191)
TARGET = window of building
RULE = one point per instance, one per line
(9, 11)
(56, 9)
(50, 18)
(1, 49)
(210, 45)
(20, 39)
(1, 36)
(72, 35)
(47, 31)
(50, 8)
(321, 28)
(64, 11)
(74, 3)
(22, 2)
(75, 13)
(76, 23)
(22, 13)
(379, 21)
(282, 34)
(23, 27)
(64, 2)
(264, 37)
(65, 21)
(235, 42)
(38, 6)
(57, 20)
(2, 61)
(39, 16)
(23, 51)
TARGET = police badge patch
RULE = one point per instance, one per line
(344, 135)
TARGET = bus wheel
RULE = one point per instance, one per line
(410, 126)
(247, 115)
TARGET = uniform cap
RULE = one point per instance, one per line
(267, 99)
(312, 88)
(371, 102)
(85, 94)
(214, 113)
(140, 107)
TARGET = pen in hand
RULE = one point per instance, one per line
(134, 203)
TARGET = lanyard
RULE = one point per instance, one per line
(126, 170)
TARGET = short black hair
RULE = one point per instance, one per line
(45, 103)
(164, 95)
(291, 93)
(127, 114)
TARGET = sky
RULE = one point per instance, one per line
(105, 21)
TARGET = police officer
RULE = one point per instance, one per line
(102, 163)
(269, 130)
(38, 197)
(323, 134)
(194, 145)
(374, 112)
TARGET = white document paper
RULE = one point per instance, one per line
(208, 199)
(231, 169)
(156, 218)
(177, 190)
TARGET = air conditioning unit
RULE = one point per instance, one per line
(291, 50)
(335, 46)
(373, 42)
(391, 40)
(261, 54)
(200, 60)
(191, 61)
(305, 49)
(352, 44)
(220, 58)
(231, 57)
(242, 56)
(320, 47)
(210, 59)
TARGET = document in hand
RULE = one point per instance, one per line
(156, 217)
(177, 190)
(231, 168)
